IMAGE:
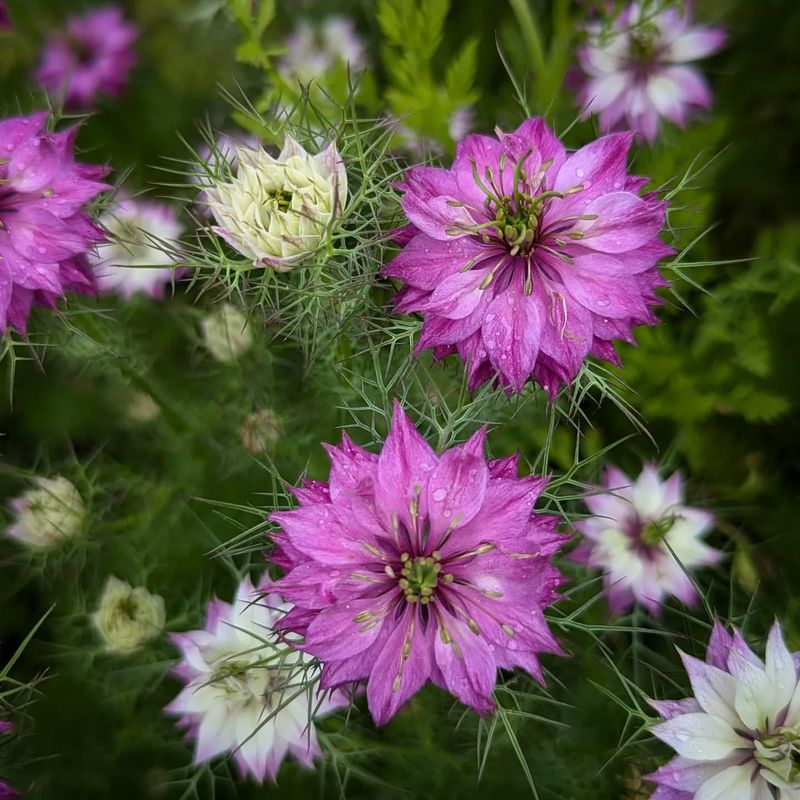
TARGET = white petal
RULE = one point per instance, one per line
(701, 737)
(648, 493)
(732, 783)
(714, 689)
(780, 666)
(757, 696)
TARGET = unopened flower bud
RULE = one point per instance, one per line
(226, 334)
(260, 431)
(127, 617)
(49, 514)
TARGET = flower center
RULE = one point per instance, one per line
(420, 577)
(282, 198)
(242, 679)
(780, 754)
(643, 44)
(516, 214)
(654, 531)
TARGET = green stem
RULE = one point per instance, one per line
(138, 379)
(530, 33)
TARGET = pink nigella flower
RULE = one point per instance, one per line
(139, 260)
(738, 738)
(525, 259)
(6, 791)
(243, 692)
(5, 25)
(93, 56)
(645, 540)
(410, 566)
(44, 233)
(637, 68)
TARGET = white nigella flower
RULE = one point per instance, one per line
(276, 211)
(136, 259)
(48, 514)
(127, 617)
(738, 738)
(244, 690)
(226, 333)
(644, 539)
(260, 431)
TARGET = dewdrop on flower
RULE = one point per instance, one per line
(49, 514)
(226, 333)
(277, 211)
(260, 431)
(127, 617)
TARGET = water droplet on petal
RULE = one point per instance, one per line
(580, 173)
(439, 495)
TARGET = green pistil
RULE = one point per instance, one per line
(653, 532)
(642, 43)
(517, 216)
(419, 577)
(282, 198)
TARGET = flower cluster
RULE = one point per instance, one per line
(44, 232)
(138, 256)
(92, 56)
(247, 691)
(276, 211)
(646, 541)
(409, 567)
(525, 259)
(637, 68)
(738, 738)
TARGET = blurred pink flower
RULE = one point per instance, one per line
(646, 541)
(637, 68)
(44, 232)
(5, 17)
(140, 257)
(92, 56)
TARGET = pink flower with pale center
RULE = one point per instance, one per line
(44, 231)
(645, 539)
(738, 737)
(411, 566)
(92, 56)
(140, 258)
(244, 686)
(526, 259)
(637, 68)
